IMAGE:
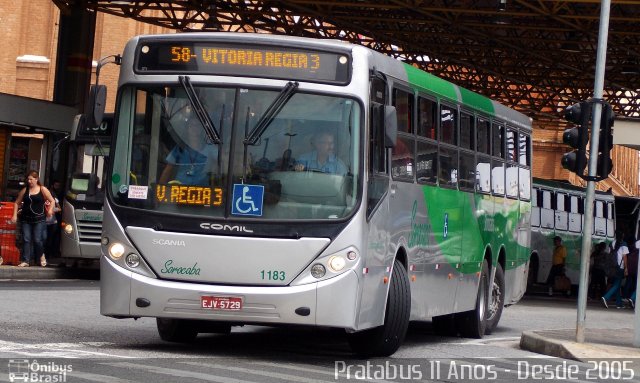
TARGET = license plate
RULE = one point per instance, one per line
(221, 303)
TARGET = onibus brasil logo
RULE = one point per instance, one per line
(24, 370)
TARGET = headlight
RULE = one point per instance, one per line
(68, 229)
(318, 271)
(116, 250)
(337, 263)
(132, 260)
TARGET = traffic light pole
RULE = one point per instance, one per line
(593, 163)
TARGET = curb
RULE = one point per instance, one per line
(533, 342)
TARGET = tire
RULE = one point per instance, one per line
(176, 330)
(384, 340)
(472, 324)
(496, 300)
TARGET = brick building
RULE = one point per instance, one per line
(27, 68)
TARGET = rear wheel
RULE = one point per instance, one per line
(472, 324)
(386, 339)
(496, 300)
(176, 330)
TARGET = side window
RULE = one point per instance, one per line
(575, 218)
(497, 162)
(484, 136)
(610, 220)
(600, 220)
(467, 131)
(402, 154)
(427, 162)
(467, 173)
(497, 147)
(427, 122)
(524, 143)
(377, 150)
(524, 160)
(378, 179)
(402, 158)
(562, 217)
(497, 177)
(512, 146)
(535, 207)
(426, 145)
(403, 101)
(512, 166)
(448, 125)
(448, 175)
(483, 174)
(547, 216)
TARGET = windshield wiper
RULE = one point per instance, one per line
(203, 116)
(271, 112)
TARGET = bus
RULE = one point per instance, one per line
(82, 206)
(342, 189)
(558, 210)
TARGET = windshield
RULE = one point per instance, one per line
(87, 176)
(301, 165)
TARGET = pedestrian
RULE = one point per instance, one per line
(619, 251)
(558, 263)
(598, 282)
(33, 200)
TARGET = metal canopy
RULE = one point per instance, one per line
(534, 56)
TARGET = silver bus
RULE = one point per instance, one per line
(258, 179)
(558, 210)
(83, 201)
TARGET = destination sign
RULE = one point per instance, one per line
(245, 60)
(86, 130)
(188, 195)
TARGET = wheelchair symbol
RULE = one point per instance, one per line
(247, 199)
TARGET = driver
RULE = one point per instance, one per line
(192, 161)
(322, 158)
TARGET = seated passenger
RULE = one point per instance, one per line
(321, 158)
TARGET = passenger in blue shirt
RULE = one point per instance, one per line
(322, 158)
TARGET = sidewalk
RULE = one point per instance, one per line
(52, 271)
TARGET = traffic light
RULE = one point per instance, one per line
(605, 144)
(577, 137)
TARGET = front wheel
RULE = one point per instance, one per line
(472, 324)
(386, 339)
(496, 300)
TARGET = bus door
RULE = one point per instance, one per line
(377, 206)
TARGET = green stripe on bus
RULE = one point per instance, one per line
(430, 82)
(477, 101)
(462, 234)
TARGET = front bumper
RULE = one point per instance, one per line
(332, 302)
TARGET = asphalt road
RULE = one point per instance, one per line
(57, 323)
